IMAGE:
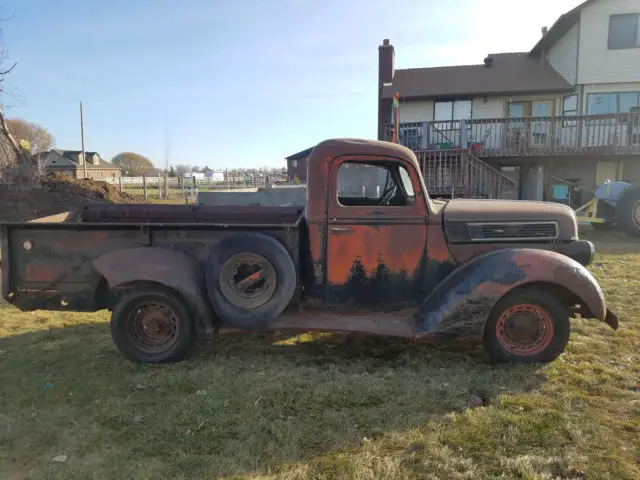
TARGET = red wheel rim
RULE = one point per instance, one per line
(524, 329)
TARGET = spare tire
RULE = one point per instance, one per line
(628, 211)
(251, 278)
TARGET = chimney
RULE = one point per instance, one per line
(386, 71)
(544, 31)
(488, 61)
(386, 60)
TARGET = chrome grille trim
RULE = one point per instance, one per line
(512, 231)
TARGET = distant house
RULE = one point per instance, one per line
(71, 162)
(297, 165)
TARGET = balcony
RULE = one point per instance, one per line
(514, 137)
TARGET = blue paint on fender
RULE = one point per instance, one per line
(461, 304)
(456, 308)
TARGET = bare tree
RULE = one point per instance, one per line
(21, 166)
(17, 164)
(38, 137)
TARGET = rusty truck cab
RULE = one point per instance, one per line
(368, 213)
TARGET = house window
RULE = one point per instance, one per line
(446, 111)
(624, 31)
(569, 105)
(366, 184)
(294, 163)
(606, 103)
(569, 109)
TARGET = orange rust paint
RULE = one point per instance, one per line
(399, 247)
(315, 242)
(437, 248)
(40, 274)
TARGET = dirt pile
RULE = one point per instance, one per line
(59, 193)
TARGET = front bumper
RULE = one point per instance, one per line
(582, 251)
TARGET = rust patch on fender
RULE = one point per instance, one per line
(166, 267)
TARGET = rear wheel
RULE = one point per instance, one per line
(527, 326)
(628, 211)
(152, 325)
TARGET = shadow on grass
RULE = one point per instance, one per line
(242, 403)
(612, 242)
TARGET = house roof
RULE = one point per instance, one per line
(561, 26)
(57, 158)
(301, 154)
(509, 73)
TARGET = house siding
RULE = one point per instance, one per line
(596, 63)
(493, 107)
(563, 56)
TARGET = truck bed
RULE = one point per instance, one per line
(48, 262)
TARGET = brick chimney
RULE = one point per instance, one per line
(386, 70)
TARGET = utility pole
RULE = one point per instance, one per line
(84, 159)
(166, 156)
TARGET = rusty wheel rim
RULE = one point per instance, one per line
(153, 327)
(248, 280)
(524, 329)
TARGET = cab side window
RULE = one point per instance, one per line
(374, 184)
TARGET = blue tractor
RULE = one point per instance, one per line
(614, 204)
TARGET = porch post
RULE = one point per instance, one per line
(522, 181)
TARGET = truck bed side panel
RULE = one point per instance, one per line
(51, 266)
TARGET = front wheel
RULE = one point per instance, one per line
(152, 325)
(527, 326)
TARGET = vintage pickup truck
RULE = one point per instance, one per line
(370, 252)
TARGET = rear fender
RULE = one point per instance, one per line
(461, 304)
(167, 267)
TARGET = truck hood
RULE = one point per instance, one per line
(484, 220)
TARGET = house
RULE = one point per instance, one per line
(297, 165)
(568, 110)
(71, 162)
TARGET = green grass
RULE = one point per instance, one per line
(323, 406)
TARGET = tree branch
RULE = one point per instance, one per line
(8, 71)
(5, 131)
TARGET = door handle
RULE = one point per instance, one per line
(340, 229)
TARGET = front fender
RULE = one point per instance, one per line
(167, 267)
(461, 304)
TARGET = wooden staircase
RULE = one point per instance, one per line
(458, 173)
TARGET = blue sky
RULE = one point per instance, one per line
(241, 82)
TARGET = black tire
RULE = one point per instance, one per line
(236, 260)
(153, 308)
(628, 211)
(551, 322)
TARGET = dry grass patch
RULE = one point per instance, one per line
(323, 406)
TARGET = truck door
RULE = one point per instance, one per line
(376, 238)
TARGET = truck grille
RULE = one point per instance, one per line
(486, 232)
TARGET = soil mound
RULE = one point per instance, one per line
(58, 193)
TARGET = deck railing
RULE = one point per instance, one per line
(495, 137)
(457, 173)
